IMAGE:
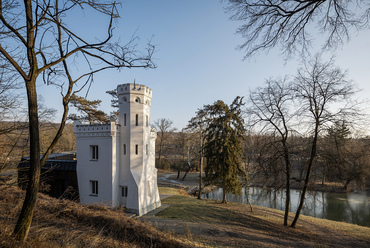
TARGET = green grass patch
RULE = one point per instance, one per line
(194, 210)
(168, 190)
(190, 209)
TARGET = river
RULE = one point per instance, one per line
(348, 207)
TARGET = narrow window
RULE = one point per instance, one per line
(124, 149)
(124, 191)
(94, 187)
(147, 121)
(146, 149)
(124, 119)
(137, 149)
(94, 153)
(137, 120)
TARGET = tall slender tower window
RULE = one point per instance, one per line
(94, 153)
(137, 149)
(94, 187)
(137, 120)
(147, 120)
(124, 119)
(146, 149)
(124, 149)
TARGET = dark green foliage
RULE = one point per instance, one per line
(114, 103)
(223, 149)
(89, 109)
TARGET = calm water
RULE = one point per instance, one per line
(350, 207)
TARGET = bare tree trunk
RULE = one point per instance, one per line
(287, 196)
(224, 200)
(159, 157)
(249, 202)
(201, 167)
(25, 218)
(186, 173)
(247, 186)
(200, 178)
(310, 163)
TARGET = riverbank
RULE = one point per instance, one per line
(347, 207)
(192, 181)
(183, 221)
(314, 185)
(213, 224)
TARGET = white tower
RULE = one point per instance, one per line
(116, 162)
(137, 173)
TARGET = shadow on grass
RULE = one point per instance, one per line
(244, 224)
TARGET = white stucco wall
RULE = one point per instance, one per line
(106, 138)
(116, 166)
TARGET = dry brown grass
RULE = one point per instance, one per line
(233, 225)
(62, 223)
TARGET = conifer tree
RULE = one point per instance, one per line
(114, 103)
(223, 149)
(89, 109)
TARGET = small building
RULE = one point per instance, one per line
(58, 175)
(116, 161)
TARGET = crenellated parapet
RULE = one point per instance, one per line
(134, 93)
(96, 130)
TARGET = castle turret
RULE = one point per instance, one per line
(138, 175)
(116, 162)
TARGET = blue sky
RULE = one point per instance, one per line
(197, 59)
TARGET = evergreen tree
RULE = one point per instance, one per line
(114, 103)
(223, 149)
(89, 109)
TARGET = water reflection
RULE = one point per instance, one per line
(351, 207)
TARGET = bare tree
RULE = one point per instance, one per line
(270, 23)
(184, 151)
(37, 44)
(164, 127)
(271, 107)
(199, 124)
(319, 86)
(10, 102)
(190, 148)
(346, 157)
(12, 124)
(319, 96)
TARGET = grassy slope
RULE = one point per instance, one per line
(62, 223)
(235, 224)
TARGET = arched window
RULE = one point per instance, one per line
(138, 100)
